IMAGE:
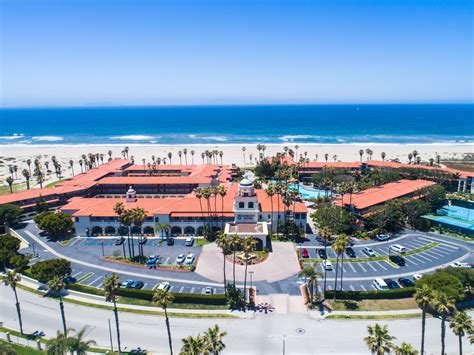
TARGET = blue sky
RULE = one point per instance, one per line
(144, 52)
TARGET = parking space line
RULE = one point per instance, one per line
(363, 288)
(352, 267)
(192, 290)
(424, 257)
(414, 257)
(352, 288)
(171, 288)
(167, 260)
(77, 274)
(202, 291)
(383, 267)
(375, 288)
(381, 252)
(435, 253)
(371, 266)
(441, 251)
(443, 246)
(181, 289)
(343, 268)
(410, 261)
(93, 282)
(144, 285)
(362, 267)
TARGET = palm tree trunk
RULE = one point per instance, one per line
(325, 272)
(133, 242)
(460, 344)
(245, 281)
(117, 327)
(443, 335)
(271, 218)
(225, 281)
(342, 269)
(234, 267)
(63, 315)
(335, 281)
(167, 321)
(18, 310)
(222, 213)
(129, 246)
(423, 325)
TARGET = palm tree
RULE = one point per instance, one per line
(192, 156)
(248, 246)
(379, 340)
(344, 240)
(78, 344)
(59, 344)
(223, 243)
(206, 193)
(81, 162)
(11, 278)
(383, 155)
(338, 246)
(243, 151)
(423, 297)
(27, 176)
(325, 235)
(170, 155)
(223, 193)
(221, 154)
(213, 340)
(443, 305)
(111, 286)
(163, 298)
(138, 216)
(9, 181)
(127, 220)
(28, 162)
(270, 191)
(203, 156)
(326, 157)
(461, 324)
(234, 243)
(126, 151)
(361, 153)
(192, 345)
(405, 349)
(56, 285)
(180, 155)
(311, 276)
(110, 155)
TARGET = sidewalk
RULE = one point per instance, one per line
(317, 314)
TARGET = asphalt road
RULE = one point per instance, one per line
(262, 334)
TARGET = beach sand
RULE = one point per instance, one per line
(18, 154)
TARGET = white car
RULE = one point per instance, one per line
(416, 277)
(189, 259)
(369, 252)
(180, 258)
(459, 264)
(327, 264)
(208, 291)
(165, 286)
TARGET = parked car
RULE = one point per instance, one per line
(208, 291)
(143, 240)
(369, 252)
(322, 254)
(152, 260)
(380, 284)
(459, 264)
(189, 241)
(137, 285)
(398, 248)
(126, 283)
(164, 286)
(180, 258)
(391, 283)
(382, 237)
(304, 253)
(397, 259)
(416, 277)
(189, 259)
(404, 282)
(350, 252)
(69, 279)
(170, 241)
(119, 241)
(327, 264)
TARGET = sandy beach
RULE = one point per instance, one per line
(18, 154)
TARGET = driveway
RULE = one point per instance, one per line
(281, 264)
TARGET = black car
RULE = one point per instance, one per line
(350, 252)
(143, 240)
(170, 241)
(397, 259)
(69, 279)
(137, 285)
(119, 241)
(322, 254)
(405, 282)
(391, 283)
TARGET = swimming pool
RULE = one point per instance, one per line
(307, 193)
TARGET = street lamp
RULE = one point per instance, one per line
(32, 244)
(103, 254)
(251, 273)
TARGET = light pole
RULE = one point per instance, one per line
(33, 246)
(102, 244)
(110, 337)
(251, 273)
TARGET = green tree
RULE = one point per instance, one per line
(7, 349)
(235, 242)
(56, 285)
(424, 298)
(163, 298)
(46, 270)
(413, 211)
(9, 215)
(213, 340)
(311, 277)
(59, 344)
(78, 344)
(465, 275)
(248, 246)
(54, 224)
(9, 246)
(405, 349)
(444, 306)
(444, 282)
(10, 280)
(339, 246)
(111, 287)
(192, 345)
(461, 324)
(334, 218)
(388, 219)
(379, 340)
(224, 243)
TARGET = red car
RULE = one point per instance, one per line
(304, 253)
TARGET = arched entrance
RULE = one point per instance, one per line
(176, 230)
(200, 230)
(148, 230)
(136, 230)
(96, 230)
(109, 230)
(189, 230)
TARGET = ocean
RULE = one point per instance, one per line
(218, 125)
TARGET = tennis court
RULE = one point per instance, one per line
(459, 219)
(457, 212)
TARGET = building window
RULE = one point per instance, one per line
(241, 205)
(157, 219)
(250, 204)
(269, 217)
(76, 219)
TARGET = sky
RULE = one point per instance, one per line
(192, 52)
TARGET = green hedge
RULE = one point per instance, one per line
(373, 295)
(147, 295)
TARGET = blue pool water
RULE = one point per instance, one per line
(307, 193)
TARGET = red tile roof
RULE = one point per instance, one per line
(395, 165)
(383, 193)
(329, 164)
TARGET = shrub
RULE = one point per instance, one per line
(444, 282)
(9, 214)
(9, 246)
(44, 271)
(54, 224)
(372, 295)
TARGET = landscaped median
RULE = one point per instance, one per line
(124, 261)
(375, 258)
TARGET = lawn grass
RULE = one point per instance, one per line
(379, 316)
(374, 305)
(138, 302)
(5, 189)
(23, 350)
(201, 242)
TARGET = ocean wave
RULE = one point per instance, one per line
(133, 137)
(215, 138)
(47, 138)
(290, 138)
(12, 137)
